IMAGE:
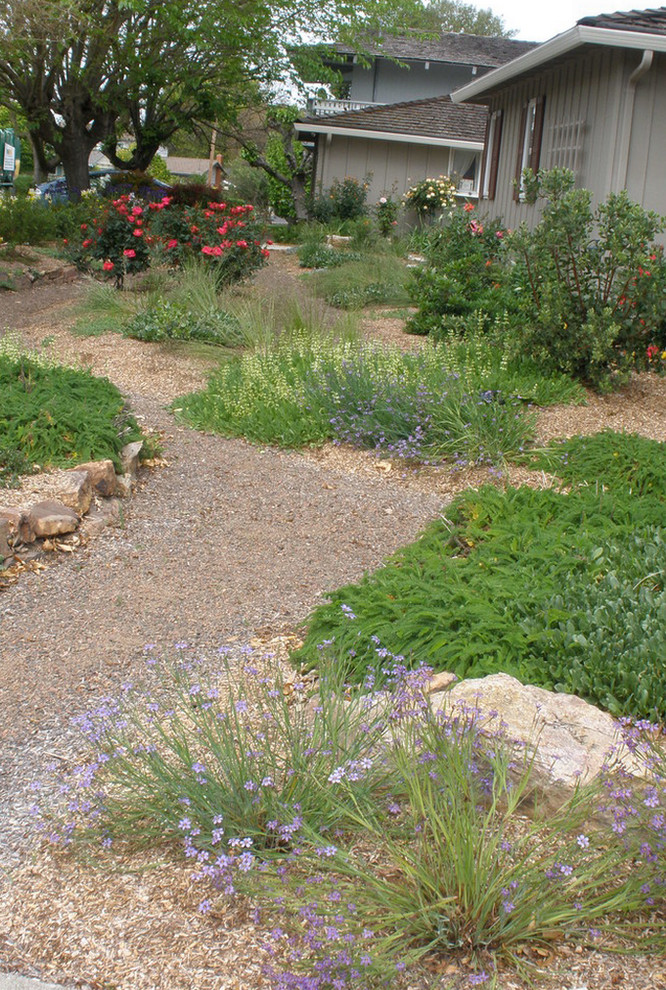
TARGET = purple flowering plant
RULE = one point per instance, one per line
(372, 828)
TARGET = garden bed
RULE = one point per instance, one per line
(228, 539)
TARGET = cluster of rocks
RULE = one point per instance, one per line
(84, 498)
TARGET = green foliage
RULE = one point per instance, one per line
(25, 221)
(561, 590)
(345, 200)
(379, 278)
(593, 282)
(457, 403)
(314, 255)
(58, 417)
(168, 321)
(229, 758)
(281, 197)
(440, 16)
(386, 211)
(456, 866)
(464, 273)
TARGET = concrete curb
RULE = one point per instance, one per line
(12, 981)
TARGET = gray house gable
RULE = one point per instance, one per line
(592, 99)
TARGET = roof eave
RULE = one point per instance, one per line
(561, 44)
(358, 132)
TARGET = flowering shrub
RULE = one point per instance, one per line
(125, 235)
(386, 212)
(116, 238)
(465, 272)
(593, 282)
(225, 236)
(431, 196)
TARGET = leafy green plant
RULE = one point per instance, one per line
(386, 211)
(345, 200)
(312, 255)
(561, 590)
(592, 281)
(57, 416)
(168, 321)
(24, 220)
(465, 272)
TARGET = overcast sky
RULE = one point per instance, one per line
(542, 19)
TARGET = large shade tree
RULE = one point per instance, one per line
(83, 71)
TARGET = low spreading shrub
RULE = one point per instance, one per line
(170, 321)
(312, 255)
(24, 220)
(563, 590)
(56, 416)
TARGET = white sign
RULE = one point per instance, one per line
(9, 161)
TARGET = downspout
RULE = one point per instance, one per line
(624, 144)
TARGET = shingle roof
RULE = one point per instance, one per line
(652, 21)
(469, 49)
(436, 117)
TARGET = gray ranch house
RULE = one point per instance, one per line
(592, 99)
(396, 122)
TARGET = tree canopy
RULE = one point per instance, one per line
(438, 16)
(85, 71)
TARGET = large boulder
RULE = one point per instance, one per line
(570, 738)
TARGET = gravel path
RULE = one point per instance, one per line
(225, 540)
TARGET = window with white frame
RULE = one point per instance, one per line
(530, 134)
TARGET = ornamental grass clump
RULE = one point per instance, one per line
(371, 830)
(216, 762)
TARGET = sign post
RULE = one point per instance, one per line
(10, 158)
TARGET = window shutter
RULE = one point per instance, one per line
(519, 155)
(494, 158)
(538, 134)
(485, 164)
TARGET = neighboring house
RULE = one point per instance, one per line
(397, 145)
(592, 99)
(396, 123)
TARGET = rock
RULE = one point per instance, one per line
(75, 490)
(124, 485)
(129, 457)
(109, 513)
(12, 517)
(49, 519)
(102, 476)
(440, 682)
(572, 738)
(5, 549)
(337, 240)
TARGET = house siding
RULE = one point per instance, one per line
(389, 82)
(585, 102)
(646, 171)
(392, 166)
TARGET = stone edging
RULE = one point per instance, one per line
(86, 499)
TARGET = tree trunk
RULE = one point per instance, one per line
(40, 161)
(299, 192)
(75, 156)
